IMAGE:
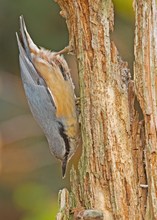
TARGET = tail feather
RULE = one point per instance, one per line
(25, 56)
(23, 38)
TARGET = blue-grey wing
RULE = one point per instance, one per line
(37, 93)
(41, 103)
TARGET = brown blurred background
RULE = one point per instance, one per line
(30, 177)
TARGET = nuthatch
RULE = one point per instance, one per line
(50, 94)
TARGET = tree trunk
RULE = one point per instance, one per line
(117, 172)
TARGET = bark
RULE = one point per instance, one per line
(145, 76)
(117, 172)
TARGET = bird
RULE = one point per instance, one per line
(50, 94)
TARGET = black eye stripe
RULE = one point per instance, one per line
(67, 146)
(64, 136)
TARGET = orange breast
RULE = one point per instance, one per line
(62, 92)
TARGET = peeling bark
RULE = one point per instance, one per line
(117, 173)
(145, 76)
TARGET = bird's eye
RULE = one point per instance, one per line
(67, 147)
(64, 136)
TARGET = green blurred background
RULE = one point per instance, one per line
(30, 177)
